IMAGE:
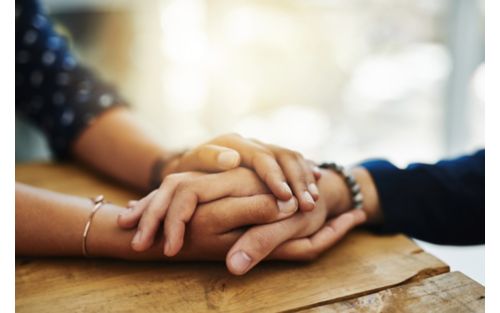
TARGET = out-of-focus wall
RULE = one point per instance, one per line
(341, 80)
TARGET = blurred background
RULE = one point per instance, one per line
(341, 80)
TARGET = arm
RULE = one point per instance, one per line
(442, 203)
(81, 115)
(51, 224)
(117, 145)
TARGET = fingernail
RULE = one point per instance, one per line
(131, 203)
(286, 188)
(313, 189)
(137, 237)
(287, 206)
(316, 170)
(308, 197)
(240, 261)
(228, 159)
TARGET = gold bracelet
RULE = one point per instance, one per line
(98, 202)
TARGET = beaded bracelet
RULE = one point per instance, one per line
(352, 184)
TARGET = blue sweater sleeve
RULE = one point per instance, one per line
(54, 91)
(441, 203)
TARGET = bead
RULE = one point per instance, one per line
(354, 188)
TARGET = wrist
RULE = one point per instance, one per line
(164, 165)
(107, 239)
(334, 192)
(371, 204)
(338, 197)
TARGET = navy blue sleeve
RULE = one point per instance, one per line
(442, 203)
(53, 91)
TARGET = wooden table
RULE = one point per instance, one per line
(363, 273)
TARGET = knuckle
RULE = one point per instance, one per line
(174, 178)
(183, 187)
(228, 137)
(154, 214)
(298, 155)
(287, 153)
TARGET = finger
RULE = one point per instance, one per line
(209, 158)
(154, 213)
(310, 179)
(228, 214)
(129, 218)
(271, 173)
(314, 168)
(235, 183)
(311, 247)
(132, 203)
(261, 159)
(258, 242)
(296, 175)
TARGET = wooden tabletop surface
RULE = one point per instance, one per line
(364, 272)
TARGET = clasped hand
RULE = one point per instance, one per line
(246, 212)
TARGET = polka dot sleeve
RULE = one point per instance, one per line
(53, 91)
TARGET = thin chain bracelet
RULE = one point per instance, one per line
(352, 184)
(98, 203)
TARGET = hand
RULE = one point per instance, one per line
(288, 239)
(277, 167)
(218, 225)
(182, 193)
(214, 228)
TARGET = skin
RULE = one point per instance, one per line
(182, 193)
(218, 229)
(42, 216)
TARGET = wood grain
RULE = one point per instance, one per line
(360, 264)
(450, 292)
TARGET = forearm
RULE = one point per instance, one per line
(116, 145)
(51, 224)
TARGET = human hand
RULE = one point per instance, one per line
(249, 228)
(228, 224)
(278, 167)
(174, 203)
(305, 235)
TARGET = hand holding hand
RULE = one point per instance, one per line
(177, 198)
(278, 167)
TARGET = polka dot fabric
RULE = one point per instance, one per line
(53, 90)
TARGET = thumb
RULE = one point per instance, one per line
(210, 158)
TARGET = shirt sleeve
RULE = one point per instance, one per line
(54, 91)
(442, 203)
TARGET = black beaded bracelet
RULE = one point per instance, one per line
(356, 196)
